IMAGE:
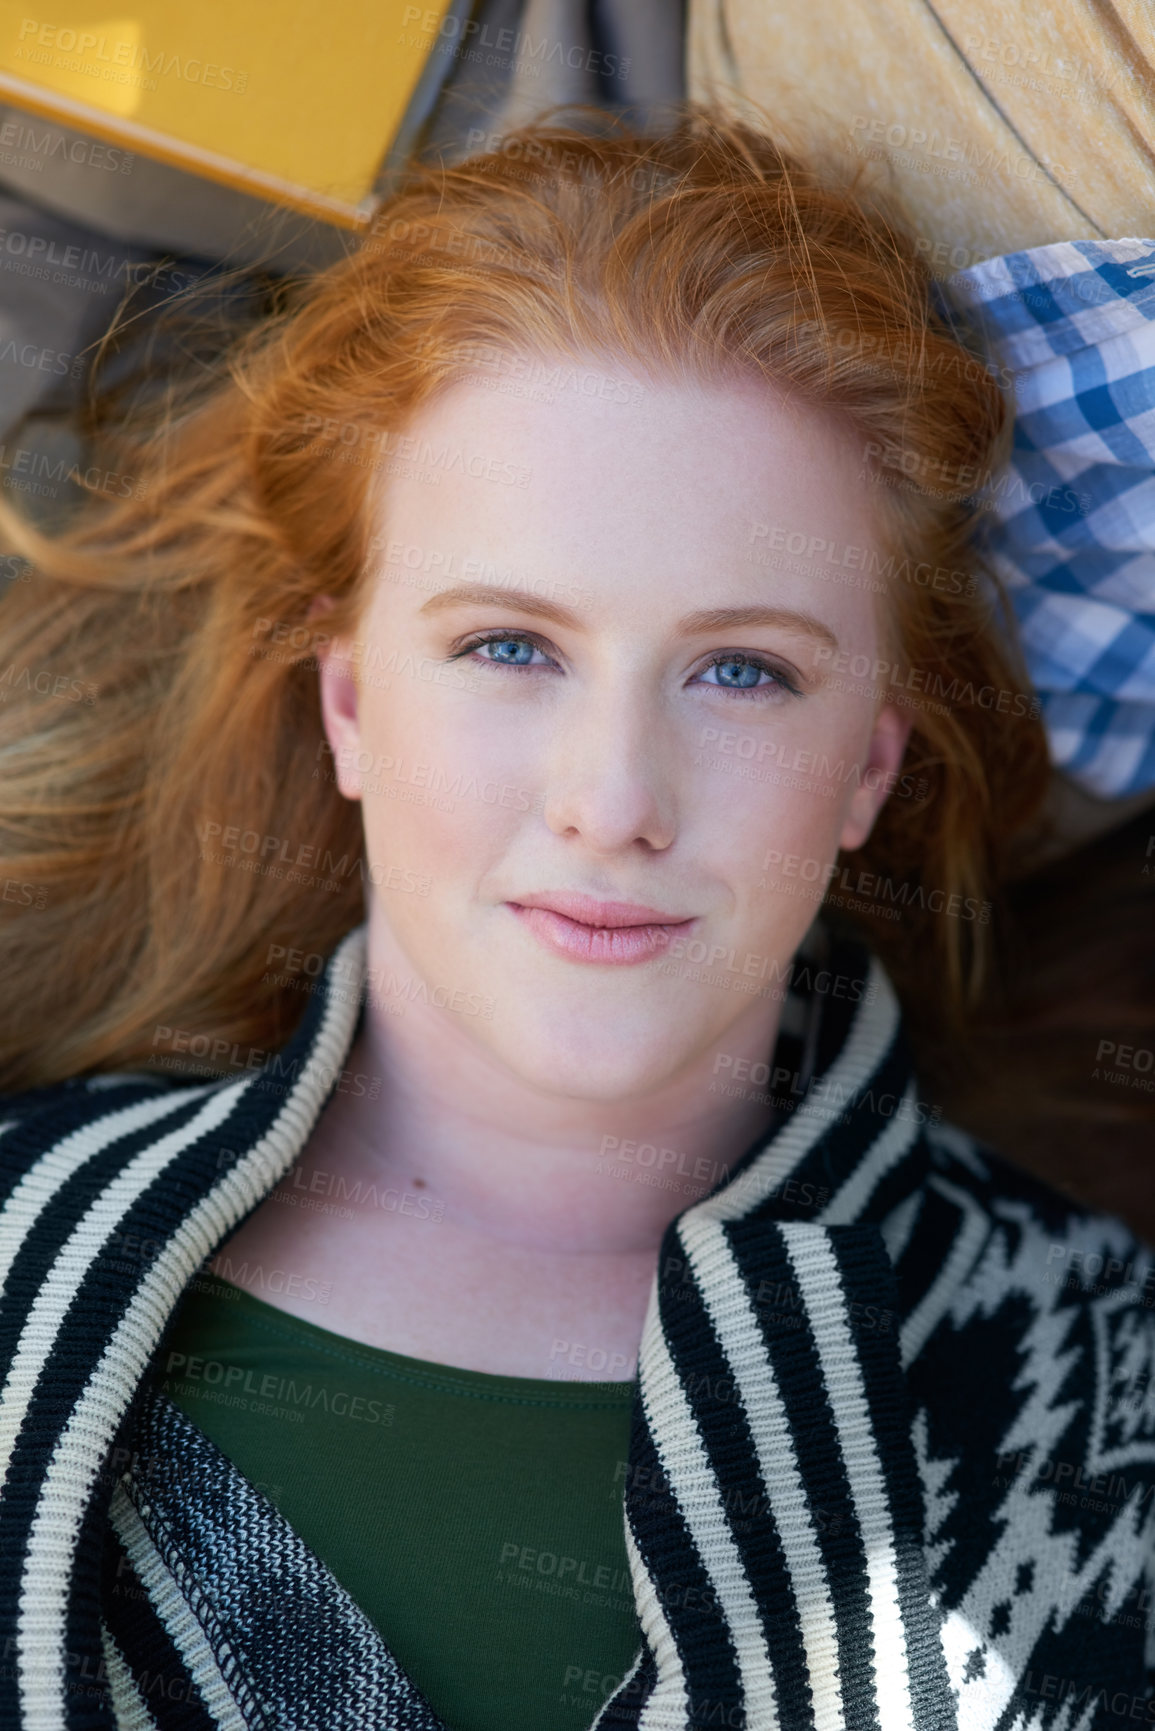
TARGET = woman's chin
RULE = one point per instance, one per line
(604, 1064)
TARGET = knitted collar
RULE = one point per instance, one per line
(773, 1507)
(773, 1412)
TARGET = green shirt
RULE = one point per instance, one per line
(476, 1519)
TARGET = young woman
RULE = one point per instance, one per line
(475, 1252)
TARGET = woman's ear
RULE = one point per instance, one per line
(339, 701)
(879, 774)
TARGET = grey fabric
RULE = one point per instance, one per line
(60, 283)
(611, 53)
(255, 1586)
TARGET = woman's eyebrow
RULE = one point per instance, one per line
(693, 624)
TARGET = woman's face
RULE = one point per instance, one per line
(582, 678)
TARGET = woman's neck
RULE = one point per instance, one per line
(425, 1108)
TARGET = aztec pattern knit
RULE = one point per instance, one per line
(892, 1462)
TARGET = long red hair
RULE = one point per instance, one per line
(159, 666)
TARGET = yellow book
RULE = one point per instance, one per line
(293, 101)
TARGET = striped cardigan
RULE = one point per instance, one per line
(892, 1460)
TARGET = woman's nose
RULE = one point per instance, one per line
(609, 776)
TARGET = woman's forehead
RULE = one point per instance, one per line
(686, 464)
(683, 497)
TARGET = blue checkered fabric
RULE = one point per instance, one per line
(1071, 528)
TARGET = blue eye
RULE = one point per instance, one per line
(742, 673)
(737, 673)
(511, 651)
(506, 651)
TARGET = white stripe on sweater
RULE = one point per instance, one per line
(128, 1705)
(851, 1198)
(669, 1702)
(84, 1441)
(820, 1285)
(44, 1181)
(738, 1330)
(694, 1485)
(80, 1250)
(870, 1035)
(172, 1607)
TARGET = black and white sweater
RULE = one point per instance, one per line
(892, 1463)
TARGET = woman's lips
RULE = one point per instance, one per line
(585, 930)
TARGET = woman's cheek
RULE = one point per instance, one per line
(776, 828)
(751, 806)
(443, 789)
